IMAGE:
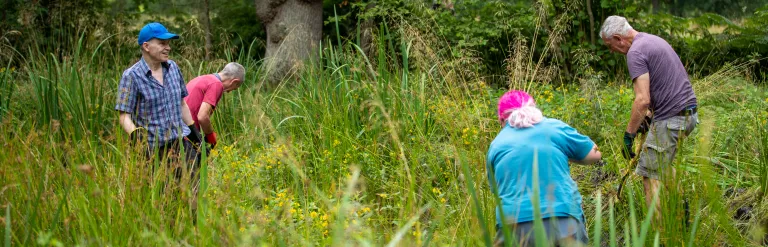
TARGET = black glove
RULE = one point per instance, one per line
(629, 143)
(194, 135)
(645, 125)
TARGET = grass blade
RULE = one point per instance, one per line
(400, 233)
(8, 226)
(478, 208)
(611, 224)
(538, 222)
(598, 220)
(692, 238)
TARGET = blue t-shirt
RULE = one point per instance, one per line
(510, 165)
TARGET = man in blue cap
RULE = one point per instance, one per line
(150, 100)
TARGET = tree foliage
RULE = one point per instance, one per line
(557, 30)
(706, 37)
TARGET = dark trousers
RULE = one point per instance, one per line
(181, 157)
(180, 154)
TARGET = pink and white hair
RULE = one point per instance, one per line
(519, 110)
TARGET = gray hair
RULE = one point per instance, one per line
(615, 25)
(233, 70)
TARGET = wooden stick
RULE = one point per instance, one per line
(632, 165)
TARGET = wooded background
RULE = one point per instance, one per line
(707, 34)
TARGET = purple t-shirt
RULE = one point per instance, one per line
(671, 91)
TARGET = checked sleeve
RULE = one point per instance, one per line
(127, 93)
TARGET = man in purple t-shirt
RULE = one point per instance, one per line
(663, 95)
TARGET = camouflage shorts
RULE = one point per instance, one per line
(660, 146)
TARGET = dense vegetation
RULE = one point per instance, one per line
(383, 148)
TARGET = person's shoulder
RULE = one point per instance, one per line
(503, 135)
(197, 79)
(638, 48)
(135, 68)
(501, 141)
(554, 125)
(128, 71)
(650, 36)
(552, 122)
(173, 66)
(647, 40)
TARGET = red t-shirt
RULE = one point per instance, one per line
(204, 88)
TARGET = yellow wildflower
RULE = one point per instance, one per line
(436, 190)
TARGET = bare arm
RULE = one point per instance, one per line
(186, 116)
(126, 122)
(204, 118)
(641, 103)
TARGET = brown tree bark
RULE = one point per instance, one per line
(366, 34)
(591, 22)
(294, 29)
(206, 21)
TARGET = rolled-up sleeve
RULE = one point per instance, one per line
(127, 93)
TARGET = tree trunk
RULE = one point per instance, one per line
(592, 22)
(294, 29)
(678, 7)
(366, 34)
(655, 4)
(557, 51)
(206, 20)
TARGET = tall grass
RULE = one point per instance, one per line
(354, 150)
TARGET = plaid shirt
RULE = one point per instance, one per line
(154, 106)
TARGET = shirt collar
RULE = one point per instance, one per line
(144, 67)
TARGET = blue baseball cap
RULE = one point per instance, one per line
(155, 30)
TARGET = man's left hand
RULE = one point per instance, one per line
(194, 135)
(629, 143)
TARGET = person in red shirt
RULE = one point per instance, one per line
(205, 92)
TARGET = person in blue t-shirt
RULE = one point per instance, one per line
(532, 146)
